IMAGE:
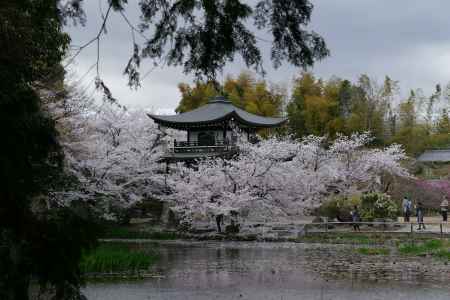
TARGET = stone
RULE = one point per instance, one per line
(202, 230)
(317, 220)
(232, 228)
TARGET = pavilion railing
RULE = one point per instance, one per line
(196, 147)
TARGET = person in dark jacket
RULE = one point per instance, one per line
(355, 218)
(419, 213)
(219, 221)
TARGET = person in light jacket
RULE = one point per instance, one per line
(444, 209)
(407, 205)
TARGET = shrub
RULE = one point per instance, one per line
(339, 207)
(377, 205)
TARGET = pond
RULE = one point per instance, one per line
(241, 270)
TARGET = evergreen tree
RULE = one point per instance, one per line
(345, 99)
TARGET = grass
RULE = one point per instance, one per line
(115, 257)
(129, 232)
(346, 238)
(365, 238)
(373, 251)
(435, 248)
(405, 245)
(443, 254)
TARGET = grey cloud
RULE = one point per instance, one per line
(408, 40)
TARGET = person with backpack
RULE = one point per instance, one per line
(407, 205)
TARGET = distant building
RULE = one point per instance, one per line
(210, 129)
(436, 163)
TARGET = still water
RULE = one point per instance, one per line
(214, 270)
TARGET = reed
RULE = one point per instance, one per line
(117, 257)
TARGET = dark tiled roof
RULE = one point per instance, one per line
(217, 110)
(442, 155)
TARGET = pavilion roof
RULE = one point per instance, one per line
(217, 111)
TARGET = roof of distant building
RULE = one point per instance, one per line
(218, 110)
(441, 155)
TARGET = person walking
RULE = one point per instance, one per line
(409, 208)
(419, 213)
(355, 218)
(407, 205)
(444, 209)
(219, 221)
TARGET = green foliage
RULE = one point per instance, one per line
(46, 245)
(435, 248)
(310, 111)
(328, 107)
(335, 106)
(50, 250)
(128, 232)
(364, 238)
(203, 45)
(39, 243)
(443, 254)
(414, 139)
(377, 206)
(194, 97)
(245, 92)
(116, 257)
(339, 207)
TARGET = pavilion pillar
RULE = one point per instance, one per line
(224, 132)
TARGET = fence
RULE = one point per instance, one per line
(439, 228)
(288, 230)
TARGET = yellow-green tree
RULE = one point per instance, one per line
(338, 106)
(314, 107)
(441, 135)
(369, 107)
(252, 95)
(410, 133)
(193, 97)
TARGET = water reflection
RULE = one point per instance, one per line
(281, 271)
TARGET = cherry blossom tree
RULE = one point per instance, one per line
(112, 154)
(359, 165)
(281, 177)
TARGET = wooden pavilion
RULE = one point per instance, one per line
(210, 129)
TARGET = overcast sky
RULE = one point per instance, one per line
(409, 40)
